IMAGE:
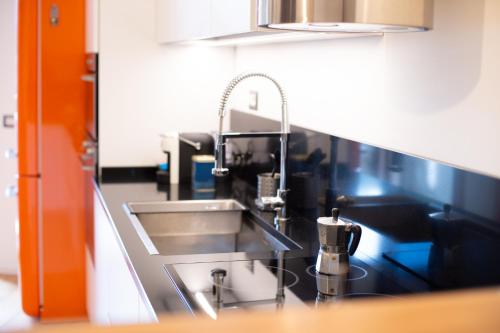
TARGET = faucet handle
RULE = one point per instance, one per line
(220, 172)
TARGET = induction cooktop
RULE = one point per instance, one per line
(215, 287)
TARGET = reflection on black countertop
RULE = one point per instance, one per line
(163, 295)
(255, 284)
(191, 273)
(426, 226)
(381, 279)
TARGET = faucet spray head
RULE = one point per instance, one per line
(219, 170)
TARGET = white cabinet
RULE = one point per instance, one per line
(96, 296)
(144, 313)
(230, 17)
(97, 285)
(123, 295)
(180, 20)
(113, 297)
(224, 22)
(184, 20)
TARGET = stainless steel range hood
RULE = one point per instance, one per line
(346, 15)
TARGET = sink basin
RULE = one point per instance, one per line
(200, 227)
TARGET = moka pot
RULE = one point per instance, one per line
(335, 244)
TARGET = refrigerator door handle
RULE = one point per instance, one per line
(89, 144)
(88, 160)
(88, 77)
(89, 154)
(88, 157)
(86, 166)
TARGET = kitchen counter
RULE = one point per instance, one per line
(155, 290)
(409, 244)
(149, 271)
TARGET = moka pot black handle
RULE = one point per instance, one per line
(356, 231)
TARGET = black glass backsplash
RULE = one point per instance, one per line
(439, 223)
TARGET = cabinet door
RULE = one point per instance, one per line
(181, 20)
(230, 17)
(116, 297)
(92, 301)
(123, 296)
(99, 306)
(145, 316)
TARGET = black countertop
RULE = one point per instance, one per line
(149, 270)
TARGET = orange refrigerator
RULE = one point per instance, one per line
(52, 179)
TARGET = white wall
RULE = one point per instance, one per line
(430, 94)
(147, 89)
(8, 136)
(434, 94)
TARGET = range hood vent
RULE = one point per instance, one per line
(361, 16)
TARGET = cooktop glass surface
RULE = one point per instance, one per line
(274, 284)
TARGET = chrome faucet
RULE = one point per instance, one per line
(277, 203)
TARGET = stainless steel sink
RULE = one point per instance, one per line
(199, 227)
